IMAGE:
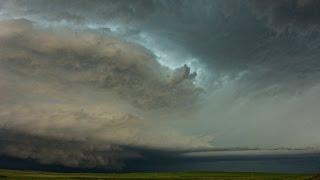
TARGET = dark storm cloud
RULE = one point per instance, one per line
(269, 43)
(289, 15)
(70, 153)
(78, 12)
(70, 73)
(125, 68)
(77, 98)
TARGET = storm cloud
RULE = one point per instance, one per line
(80, 87)
(93, 83)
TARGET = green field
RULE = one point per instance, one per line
(26, 175)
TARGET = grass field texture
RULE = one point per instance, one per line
(31, 175)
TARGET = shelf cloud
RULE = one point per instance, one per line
(96, 83)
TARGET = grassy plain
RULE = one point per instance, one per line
(33, 175)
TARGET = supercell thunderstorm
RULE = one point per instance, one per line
(94, 83)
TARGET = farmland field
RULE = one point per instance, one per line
(26, 175)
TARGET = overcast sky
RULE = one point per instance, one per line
(96, 83)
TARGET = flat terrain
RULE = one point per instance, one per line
(25, 175)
